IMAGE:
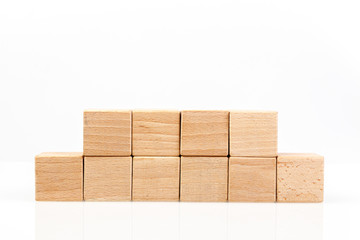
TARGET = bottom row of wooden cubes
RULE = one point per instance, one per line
(291, 178)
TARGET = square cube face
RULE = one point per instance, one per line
(252, 179)
(253, 134)
(107, 178)
(59, 177)
(156, 178)
(107, 133)
(203, 179)
(156, 133)
(204, 133)
(300, 177)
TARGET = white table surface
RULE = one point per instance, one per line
(23, 218)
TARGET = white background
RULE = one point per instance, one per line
(300, 58)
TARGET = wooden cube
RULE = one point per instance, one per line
(59, 177)
(253, 134)
(252, 179)
(107, 178)
(300, 177)
(156, 133)
(204, 133)
(156, 178)
(107, 133)
(204, 179)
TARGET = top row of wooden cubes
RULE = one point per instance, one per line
(174, 133)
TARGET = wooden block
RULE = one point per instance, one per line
(252, 179)
(253, 134)
(156, 133)
(107, 178)
(204, 179)
(300, 177)
(107, 133)
(204, 133)
(59, 177)
(156, 178)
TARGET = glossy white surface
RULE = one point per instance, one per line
(23, 218)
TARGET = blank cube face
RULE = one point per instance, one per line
(156, 178)
(300, 178)
(253, 134)
(204, 133)
(203, 179)
(252, 179)
(156, 133)
(107, 178)
(107, 133)
(59, 177)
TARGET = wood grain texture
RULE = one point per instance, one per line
(252, 179)
(300, 177)
(203, 179)
(253, 133)
(156, 133)
(59, 177)
(107, 133)
(156, 178)
(204, 133)
(107, 178)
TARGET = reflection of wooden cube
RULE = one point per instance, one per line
(156, 133)
(107, 178)
(107, 133)
(59, 177)
(253, 134)
(156, 178)
(204, 133)
(203, 179)
(300, 177)
(252, 179)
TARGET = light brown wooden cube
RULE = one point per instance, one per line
(204, 179)
(107, 178)
(204, 133)
(252, 179)
(156, 178)
(253, 133)
(156, 133)
(300, 177)
(59, 177)
(107, 133)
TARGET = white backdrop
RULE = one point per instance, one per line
(58, 58)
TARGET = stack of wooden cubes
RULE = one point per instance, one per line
(188, 156)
